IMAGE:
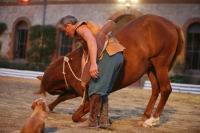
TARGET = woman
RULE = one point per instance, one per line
(106, 61)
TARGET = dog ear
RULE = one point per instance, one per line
(33, 105)
(44, 106)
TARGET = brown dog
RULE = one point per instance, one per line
(36, 122)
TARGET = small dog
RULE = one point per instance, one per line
(36, 122)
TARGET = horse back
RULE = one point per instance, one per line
(145, 39)
(142, 35)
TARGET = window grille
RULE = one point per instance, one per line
(21, 35)
(65, 44)
(193, 47)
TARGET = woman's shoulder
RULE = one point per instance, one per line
(95, 28)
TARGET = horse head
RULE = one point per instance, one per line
(62, 75)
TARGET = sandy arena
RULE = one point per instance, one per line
(181, 114)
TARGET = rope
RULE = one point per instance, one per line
(83, 99)
(66, 59)
(87, 59)
(63, 72)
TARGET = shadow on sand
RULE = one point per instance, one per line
(117, 114)
(50, 129)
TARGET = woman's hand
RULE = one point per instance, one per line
(94, 72)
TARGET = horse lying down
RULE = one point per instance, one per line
(152, 44)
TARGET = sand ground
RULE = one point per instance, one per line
(181, 114)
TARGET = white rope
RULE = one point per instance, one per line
(86, 61)
(83, 99)
(104, 47)
(65, 74)
(66, 59)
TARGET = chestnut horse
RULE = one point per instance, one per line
(152, 45)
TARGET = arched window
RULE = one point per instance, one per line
(193, 47)
(21, 35)
(65, 44)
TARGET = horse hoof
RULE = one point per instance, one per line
(151, 122)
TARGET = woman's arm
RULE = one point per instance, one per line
(92, 48)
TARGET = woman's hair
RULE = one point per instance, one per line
(68, 20)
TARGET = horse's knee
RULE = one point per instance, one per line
(155, 93)
(166, 91)
(79, 113)
(76, 117)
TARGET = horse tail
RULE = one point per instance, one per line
(180, 50)
(42, 90)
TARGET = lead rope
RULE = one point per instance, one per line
(66, 59)
(83, 99)
(84, 95)
(64, 74)
(87, 59)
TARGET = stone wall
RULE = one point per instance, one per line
(178, 13)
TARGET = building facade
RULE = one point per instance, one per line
(20, 17)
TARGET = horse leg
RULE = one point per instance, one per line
(155, 92)
(165, 90)
(81, 111)
(61, 98)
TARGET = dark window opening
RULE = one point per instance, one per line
(65, 44)
(193, 47)
(21, 34)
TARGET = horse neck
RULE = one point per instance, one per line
(73, 70)
(75, 61)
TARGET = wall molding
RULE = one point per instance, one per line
(54, 2)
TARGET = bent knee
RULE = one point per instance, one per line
(166, 91)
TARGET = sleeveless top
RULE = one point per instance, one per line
(111, 45)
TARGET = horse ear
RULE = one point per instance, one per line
(39, 77)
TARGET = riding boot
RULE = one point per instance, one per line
(94, 111)
(104, 118)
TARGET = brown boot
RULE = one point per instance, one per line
(94, 111)
(104, 118)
